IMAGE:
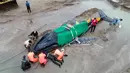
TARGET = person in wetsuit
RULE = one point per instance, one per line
(42, 59)
(25, 64)
(54, 59)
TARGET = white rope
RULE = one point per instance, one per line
(75, 31)
(73, 28)
(70, 31)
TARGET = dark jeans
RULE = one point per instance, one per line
(28, 9)
(93, 28)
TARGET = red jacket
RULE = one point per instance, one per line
(94, 22)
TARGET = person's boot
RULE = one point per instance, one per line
(62, 60)
(59, 66)
(61, 63)
(23, 69)
(65, 55)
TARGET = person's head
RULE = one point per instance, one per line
(34, 31)
(30, 41)
(26, 1)
(27, 43)
(95, 18)
(121, 19)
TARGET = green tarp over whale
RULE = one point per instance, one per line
(66, 34)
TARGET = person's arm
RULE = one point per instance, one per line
(36, 32)
(54, 53)
(91, 21)
(65, 55)
(35, 59)
(29, 3)
(96, 21)
(32, 33)
(118, 22)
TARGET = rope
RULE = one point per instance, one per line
(75, 30)
(72, 34)
(70, 31)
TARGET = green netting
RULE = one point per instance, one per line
(65, 36)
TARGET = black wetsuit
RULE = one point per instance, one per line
(34, 35)
(54, 59)
(25, 64)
